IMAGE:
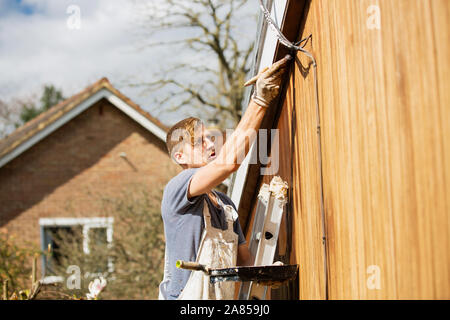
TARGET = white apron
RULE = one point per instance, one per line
(218, 249)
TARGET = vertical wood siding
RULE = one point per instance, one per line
(384, 98)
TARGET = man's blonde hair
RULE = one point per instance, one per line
(180, 133)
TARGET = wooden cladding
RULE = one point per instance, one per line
(384, 99)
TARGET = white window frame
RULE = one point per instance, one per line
(86, 224)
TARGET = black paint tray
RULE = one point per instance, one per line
(261, 274)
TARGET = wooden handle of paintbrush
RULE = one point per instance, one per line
(191, 266)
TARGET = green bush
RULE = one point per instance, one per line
(15, 264)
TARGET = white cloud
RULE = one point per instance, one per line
(39, 48)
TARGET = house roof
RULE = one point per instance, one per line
(45, 123)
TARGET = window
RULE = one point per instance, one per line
(88, 232)
(50, 234)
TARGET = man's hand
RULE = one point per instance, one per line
(268, 83)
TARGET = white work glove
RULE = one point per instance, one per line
(268, 84)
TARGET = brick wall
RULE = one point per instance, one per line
(63, 175)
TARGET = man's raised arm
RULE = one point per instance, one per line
(238, 144)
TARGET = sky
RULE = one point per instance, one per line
(72, 44)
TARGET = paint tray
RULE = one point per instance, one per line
(266, 275)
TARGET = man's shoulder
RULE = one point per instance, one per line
(174, 199)
(182, 177)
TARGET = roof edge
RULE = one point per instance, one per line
(13, 145)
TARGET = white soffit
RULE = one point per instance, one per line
(139, 118)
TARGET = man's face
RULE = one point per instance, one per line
(201, 152)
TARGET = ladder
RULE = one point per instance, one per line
(264, 237)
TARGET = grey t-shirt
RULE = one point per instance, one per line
(183, 227)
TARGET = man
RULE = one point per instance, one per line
(201, 224)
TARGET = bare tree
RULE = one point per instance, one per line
(211, 50)
(9, 115)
